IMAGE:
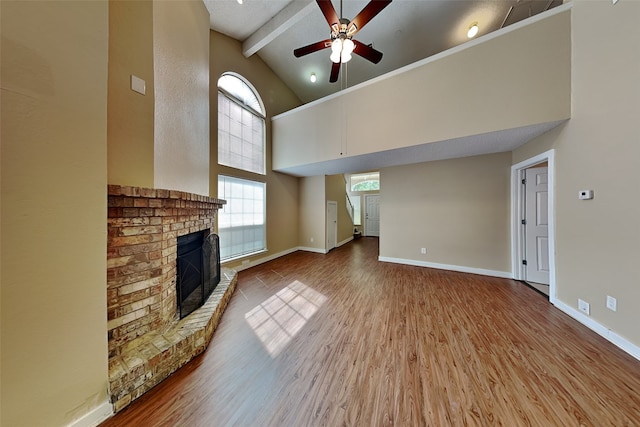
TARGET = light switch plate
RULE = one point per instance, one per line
(138, 85)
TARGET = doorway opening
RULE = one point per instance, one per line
(533, 225)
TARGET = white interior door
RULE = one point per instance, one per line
(372, 215)
(332, 224)
(537, 225)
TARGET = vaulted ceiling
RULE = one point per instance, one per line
(406, 31)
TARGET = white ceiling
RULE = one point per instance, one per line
(406, 31)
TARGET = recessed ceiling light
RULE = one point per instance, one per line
(239, 1)
(473, 30)
(312, 77)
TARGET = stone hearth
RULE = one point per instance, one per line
(147, 341)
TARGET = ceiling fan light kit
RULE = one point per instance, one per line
(342, 32)
(341, 50)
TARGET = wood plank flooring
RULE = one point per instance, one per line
(344, 340)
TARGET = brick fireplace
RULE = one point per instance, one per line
(147, 339)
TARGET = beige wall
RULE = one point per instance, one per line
(282, 190)
(181, 126)
(160, 139)
(336, 190)
(54, 180)
(597, 248)
(314, 193)
(457, 209)
(130, 114)
(312, 205)
(516, 79)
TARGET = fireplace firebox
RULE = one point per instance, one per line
(198, 270)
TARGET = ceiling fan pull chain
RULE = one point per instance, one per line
(346, 75)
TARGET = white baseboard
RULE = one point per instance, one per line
(259, 261)
(94, 417)
(345, 241)
(598, 328)
(324, 251)
(264, 259)
(460, 268)
(316, 250)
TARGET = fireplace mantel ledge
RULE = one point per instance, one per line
(157, 193)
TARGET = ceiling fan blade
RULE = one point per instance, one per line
(367, 52)
(314, 47)
(329, 12)
(370, 10)
(335, 69)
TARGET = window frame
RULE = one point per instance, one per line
(244, 143)
(228, 205)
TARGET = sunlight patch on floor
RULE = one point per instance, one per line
(278, 319)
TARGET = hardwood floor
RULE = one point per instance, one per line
(344, 340)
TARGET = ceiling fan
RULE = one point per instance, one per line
(341, 42)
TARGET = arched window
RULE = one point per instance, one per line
(241, 145)
(241, 125)
(365, 181)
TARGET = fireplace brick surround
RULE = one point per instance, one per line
(147, 341)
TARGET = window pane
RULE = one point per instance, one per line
(365, 181)
(241, 223)
(240, 126)
(240, 90)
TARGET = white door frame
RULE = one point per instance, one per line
(517, 212)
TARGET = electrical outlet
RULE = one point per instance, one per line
(423, 251)
(612, 303)
(311, 240)
(583, 306)
(585, 194)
